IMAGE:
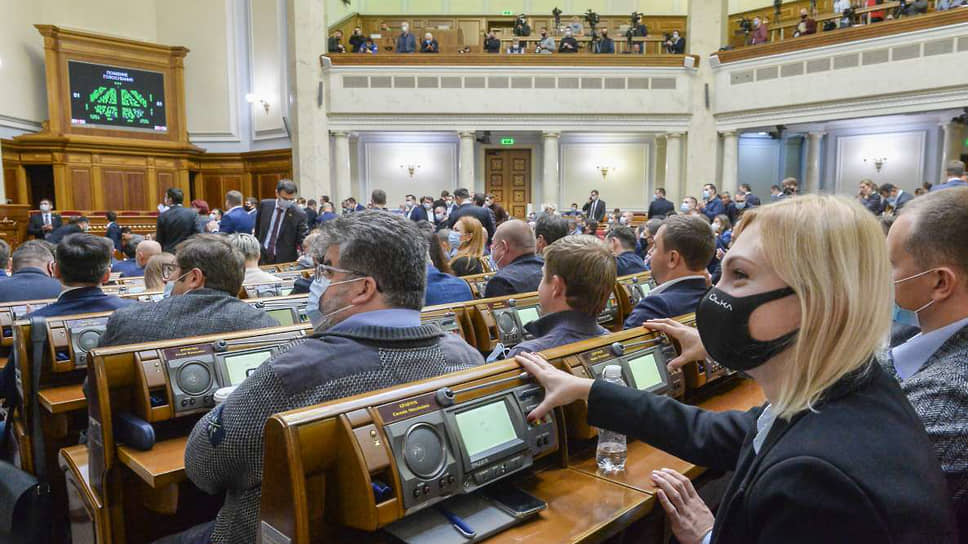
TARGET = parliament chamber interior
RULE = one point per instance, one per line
(381, 271)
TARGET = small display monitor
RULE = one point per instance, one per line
(645, 288)
(485, 427)
(285, 291)
(240, 365)
(645, 372)
(527, 315)
(117, 96)
(283, 315)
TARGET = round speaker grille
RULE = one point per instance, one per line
(194, 378)
(88, 339)
(423, 451)
(506, 322)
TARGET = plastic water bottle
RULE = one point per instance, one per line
(612, 448)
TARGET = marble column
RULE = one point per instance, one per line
(343, 184)
(812, 175)
(951, 146)
(307, 109)
(674, 180)
(549, 170)
(730, 179)
(466, 158)
(3, 187)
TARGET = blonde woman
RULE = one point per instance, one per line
(836, 454)
(468, 237)
(153, 271)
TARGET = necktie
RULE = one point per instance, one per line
(274, 235)
(47, 219)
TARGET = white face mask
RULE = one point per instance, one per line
(45, 207)
(170, 285)
(284, 204)
(322, 285)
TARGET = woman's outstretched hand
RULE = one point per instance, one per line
(689, 517)
(561, 388)
(688, 338)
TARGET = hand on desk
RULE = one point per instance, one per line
(689, 517)
(561, 388)
(688, 338)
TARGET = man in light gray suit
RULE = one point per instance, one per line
(205, 283)
(930, 258)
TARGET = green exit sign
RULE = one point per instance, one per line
(507, 12)
(507, 141)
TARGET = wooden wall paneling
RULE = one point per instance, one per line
(113, 184)
(135, 190)
(211, 188)
(10, 186)
(80, 183)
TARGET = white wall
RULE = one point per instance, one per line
(759, 164)
(336, 9)
(904, 167)
(628, 186)
(381, 157)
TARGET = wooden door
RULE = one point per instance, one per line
(508, 177)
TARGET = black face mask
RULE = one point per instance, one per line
(723, 323)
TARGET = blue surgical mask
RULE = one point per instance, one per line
(284, 204)
(428, 205)
(910, 317)
(316, 290)
(740, 205)
(453, 238)
(439, 216)
(684, 207)
(170, 285)
(892, 201)
(705, 194)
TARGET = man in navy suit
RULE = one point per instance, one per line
(45, 222)
(415, 210)
(684, 245)
(32, 269)
(894, 196)
(82, 264)
(621, 241)
(444, 288)
(752, 200)
(177, 223)
(660, 207)
(236, 219)
(143, 250)
(114, 230)
(712, 203)
(326, 214)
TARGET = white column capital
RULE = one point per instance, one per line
(816, 134)
(466, 134)
(554, 135)
(728, 133)
(673, 135)
(339, 134)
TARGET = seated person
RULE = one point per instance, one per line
(76, 224)
(129, 248)
(82, 263)
(605, 45)
(513, 254)
(154, 270)
(203, 285)
(547, 44)
(33, 266)
(492, 44)
(548, 229)
(373, 267)
(930, 264)
(146, 249)
(429, 44)
(248, 245)
(468, 239)
(684, 245)
(442, 286)
(568, 44)
(576, 281)
(368, 47)
(621, 240)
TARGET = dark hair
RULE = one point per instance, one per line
(691, 237)
(222, 265)
(938, 231)
(410, 196)
(311, 202)
(745, 187)
(713, 186)
(79, 219)
(112, 216)
(252, 200)
(233, 198)
(462, 193)
(287, 186)
(32, 253)
(175, 194)
(479, 199)
(131, 248)
(624, 235)
(378, 197)
(551, 228)
(661, 191)
(436, 250)
(4, 253)
(595, 191)
(386, 247)
(588, 269)
(84, 258)
(444, 194)
(886, 188)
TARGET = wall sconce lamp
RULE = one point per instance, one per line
(604, 170)
(878, 162)
(253, 98)
(411, 168)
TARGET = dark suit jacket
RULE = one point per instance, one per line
(128, 268)
(558, 329)
(679, 299)
(310, 217)
(480, 213)
(29, 284)
(444, 288)
(752, 200)
(857, 468)
(294, 229)
(198, 312)
(35, 227)
(521, 276)
(61, 232)
(660, 208)
(175, 225)
(902, 198)
(418, 213)
(595, 209)
(629, 263)
(114, 233)
(237, 220)
(81, 301)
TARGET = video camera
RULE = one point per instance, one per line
(521, 26)
(556, 13)
(592, 19)
(746, 25)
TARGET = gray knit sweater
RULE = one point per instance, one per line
(224, 451)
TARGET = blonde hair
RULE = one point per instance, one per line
(473, 247)
(831, 251)
(153, 281)
(588, 269)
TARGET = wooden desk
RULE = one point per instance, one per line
(66, 398)
(160, 466)
(75, 458)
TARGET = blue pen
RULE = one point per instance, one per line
(457, 523)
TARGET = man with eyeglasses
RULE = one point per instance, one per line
(280, 225)
(371, 276)
(201, 290)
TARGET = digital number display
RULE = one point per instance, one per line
(485, 427)
(527, 315)
(645, 372)
(282, 315)
(240, 366)
(116, 97)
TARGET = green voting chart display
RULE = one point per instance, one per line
(111, 96)
(645, 373)
(485, 427)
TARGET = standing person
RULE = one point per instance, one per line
(868, 196)
(895, 197)
(712, 204)
(660, 207)
(311, 212)
(75, 225)
(236, 219)
(752, 200)
(955, 172)
(356, 40)
(113, 231)
(203, 217)
(280, 226)
(836, 454)
(251, 205)
(326, 213)
(177, 223)
(595, 208)
(606, 45)
(414, 209)
(406, 43)
(43, 223)
(760, 32)
(467, 207)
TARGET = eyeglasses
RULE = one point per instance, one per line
(326, 271)
(168, 271)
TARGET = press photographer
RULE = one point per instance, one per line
(636, 29)
(674, 43)
(521, 26)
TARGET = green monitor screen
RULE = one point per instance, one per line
(527, 315)
(240, 366)
(485, 427)
(644, 288)
(115, 96)
(645, 371)
(282, 315)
